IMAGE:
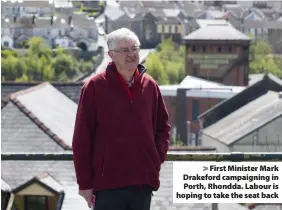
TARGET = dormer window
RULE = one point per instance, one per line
(36, 202)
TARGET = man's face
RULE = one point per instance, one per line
(126, 55)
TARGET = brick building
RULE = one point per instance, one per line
(186, 101)
(218, 52)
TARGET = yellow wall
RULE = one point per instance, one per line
(35, 189)
(179, 28)
(19, 201)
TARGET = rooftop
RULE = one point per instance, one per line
(253, 91)
(246, 119)
(40, 117)
(216, 31)
(201, 88)
(17, 173)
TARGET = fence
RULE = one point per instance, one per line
(172, 156)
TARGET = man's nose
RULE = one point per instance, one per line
(131, 53)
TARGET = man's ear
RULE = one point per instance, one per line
(110, 53)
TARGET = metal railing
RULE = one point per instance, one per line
(171, 156)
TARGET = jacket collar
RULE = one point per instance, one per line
(111, 67)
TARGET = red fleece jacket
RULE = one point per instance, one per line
(120, 141)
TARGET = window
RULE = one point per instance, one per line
(219, 49)
(36, 202)
(194, 49)
(169, 29)
(6, 44)
(195, 109)
(175, 29)
(163, 29)
(230, 49)
(204, 49)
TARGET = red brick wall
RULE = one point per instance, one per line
(170, 105)
(205, 104)
(236, 77)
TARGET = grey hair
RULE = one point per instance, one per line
(122, 34)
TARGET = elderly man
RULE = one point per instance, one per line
(121, 134)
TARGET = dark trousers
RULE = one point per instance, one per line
(128, 198)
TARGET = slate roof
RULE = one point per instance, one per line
(4, 186)
(189, 8)
(158, 4)
(20, 134)
(40, 117)
(168, 20)
(113, 13)
(70, 89)
(45, 180)
(222, 109)
(237, 9)
(217, 32)
(268, 207)
(26, 3)
(245, 120)
(19, 172)
(254, 78)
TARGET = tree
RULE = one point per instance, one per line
(263, 59)
(156, 69)
(40, 63)
(166, 65)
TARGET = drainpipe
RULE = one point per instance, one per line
(11, 201)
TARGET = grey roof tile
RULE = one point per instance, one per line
(27, 3)
(269, 207)
(217, 32)
(113, 13)
(254, 78)
(51, 182)
(52, 108)
(4, 186)
(49, 113)
(70, 89)
(168, 20)
(18, 172)
(20, 134)
(246, 119)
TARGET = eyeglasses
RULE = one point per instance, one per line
(127, 50)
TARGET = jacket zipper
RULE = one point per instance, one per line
(103, 167)
(133, 87)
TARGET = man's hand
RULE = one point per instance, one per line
(87, 195)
